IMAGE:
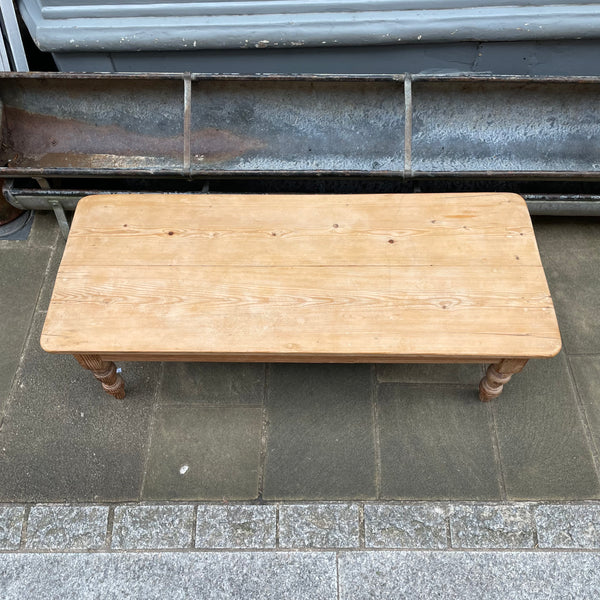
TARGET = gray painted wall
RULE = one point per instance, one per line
(63, 25)
(525, 37)
(516, 58)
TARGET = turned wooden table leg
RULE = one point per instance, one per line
(105, 372)
(497, 375)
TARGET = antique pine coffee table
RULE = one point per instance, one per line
(302, 278)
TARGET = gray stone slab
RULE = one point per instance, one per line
(236, 526)
(213, 383)
(152, 527)
(44, 231)
(436, 444)
(17, 230)
(543, 447)
(11, 524)
(500, 575)
(38, 231)
(405, 526)
(50, 280)
(491, 526)
(569, 249)
(318, 526)
(21, 272)
(469, 374)
(64, 438)
(173, 575)
(67, 527)
(586, 370)
(204, 453)
(568, 525)
(320, 438)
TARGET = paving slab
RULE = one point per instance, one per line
(152, 527)
(261, 571)
(236, 526)
(44, 231)
(40, 232)
(54, 527)
(406, 526)
(491, 526)
(586, 371)
(467, 374)
(320, 436)
(543, 447)
(63, 438)
(568, 526)
(11, 525)
(213, 383)
(318, 526)
(50, 280)
(204, 452)
(173, 575)
(436, 443)
(569, 249)
(501, 575)
(19, 228)
(22, 270)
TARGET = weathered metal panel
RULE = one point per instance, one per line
(305, 126)
(112, 26)
(94, 123)
(504, 125)
(222, 126)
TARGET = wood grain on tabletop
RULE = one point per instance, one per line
(380, 276)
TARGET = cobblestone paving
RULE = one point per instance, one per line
(331, 525)
(310, 550)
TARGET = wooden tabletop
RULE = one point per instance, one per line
(370, 277)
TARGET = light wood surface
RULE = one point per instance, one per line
(292, 277)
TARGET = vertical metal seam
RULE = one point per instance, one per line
(407, 126)
(61, 217)
(187, 124)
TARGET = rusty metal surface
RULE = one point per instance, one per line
(306, 126)
(8, 212)
(396, 126)
(506, 126)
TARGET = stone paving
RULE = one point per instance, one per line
(316, 550)
(284, 432)
(300, 481)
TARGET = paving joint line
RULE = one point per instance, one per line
(110, 521)
(448, 530)
(151, 425)
(277, 544)
(264, 426)
(501, 476)
(194, 526)
(361, 526)
(534, 529)
(307, 550)
(376, 437)
(23, 539)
